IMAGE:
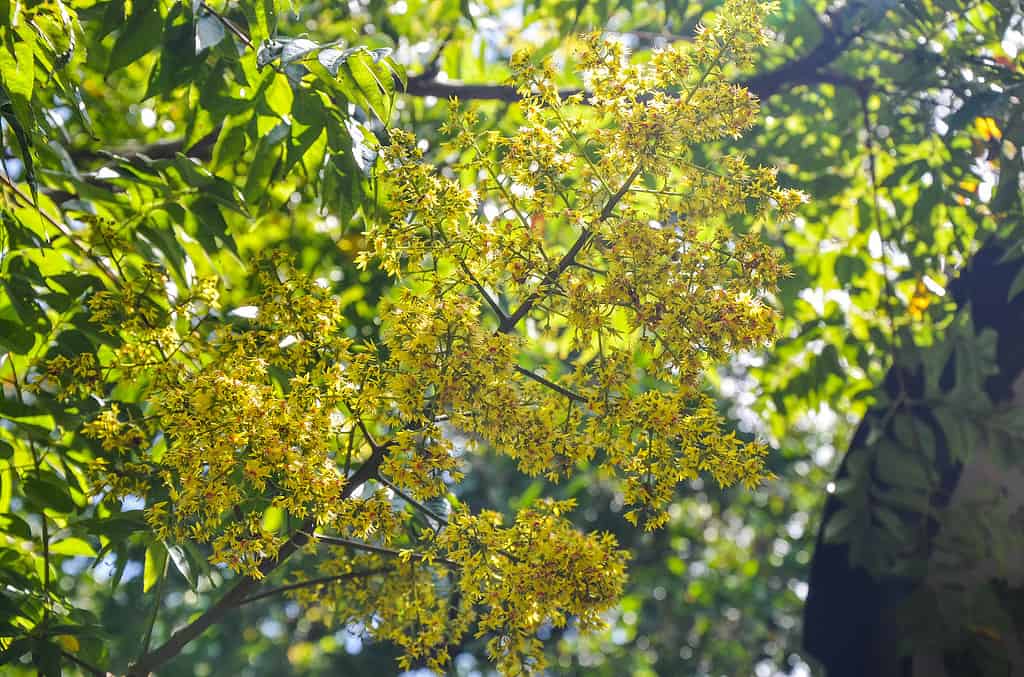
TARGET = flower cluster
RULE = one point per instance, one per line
(538, 571)
(561, 311)
(567, 308)
(506, 581)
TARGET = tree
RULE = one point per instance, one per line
(885, 112)
(919, 541)
(559, 295)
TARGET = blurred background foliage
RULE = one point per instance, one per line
(184, 120)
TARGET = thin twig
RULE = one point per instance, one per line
(323, 580)
(364, 430)
(501, 315)
(410, 500)
(575, 397)
(229, 24)
(84, 664)
(380, 550)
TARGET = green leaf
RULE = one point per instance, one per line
(906, 498)
(209, 32)
(934, 359)
(116, 527)
(900, 466)
(273, 519)
(74, 547)
(211, 229)
(15, 526)
(526, 499)
(20, 282)
(164, 239)
(261, 171)
(212, 186)
(48, 493)
(178, 65)
(181, 563)
(376, 90)
(154, 565)
(7, 112)
(263, 16)
(910, 170)
(142, 33)
(83, 112)
(75, 283)
(960, 431)
(230, 142)
(18, 74)
(839, 525)
(112, 18)
(914, 434)
(28, 416)
(927, 201)
(398, 70)
(19, 80)
(848, 268)
(15, 338)
(1017, 286)
(300, 146)
(893, 522)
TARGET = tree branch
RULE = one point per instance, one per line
(808, 69)
(805, 70)
(161, 150)
(498, 312)
(567, 260)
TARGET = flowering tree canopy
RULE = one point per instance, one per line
(476, 335)
(558, 294)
